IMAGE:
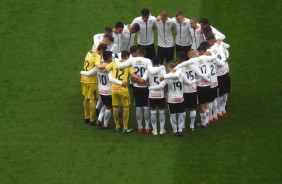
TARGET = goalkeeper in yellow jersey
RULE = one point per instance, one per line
(90, 83)
(120, 93)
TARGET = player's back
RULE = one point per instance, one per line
(91, 59)
(140, 65)
(154, 80)
(190, 74)
(175, 90)
(104, 83)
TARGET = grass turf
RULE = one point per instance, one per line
(43, 139)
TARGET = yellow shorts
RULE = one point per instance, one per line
(90, 90)
(120, 98)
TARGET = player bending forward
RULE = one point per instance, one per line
(174, 99)
(120, 94)
(156, 97)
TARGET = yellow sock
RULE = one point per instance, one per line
(125, 116)
(86, 108)
(92, 108)
(116, 116)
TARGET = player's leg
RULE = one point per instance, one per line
(138, 111)
(169, 54)
(161, 106)
(108, 111)
(153, 116)
(100, 117)
(125, 102)
(180, 110)
(214, 108)
(98, 106)
(93, 96)
(115, 102)
(147, 112)
(161, 54)
(172, 117)
(86, 102)
(192, 119)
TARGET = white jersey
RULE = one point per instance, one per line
(183, 35)
(117, 41)
(218, 35)
(222, 69)
(175, 89)
(98, 38)
(127, 39)
(197, 37)
(140, 65)
(154, 80)
(213, 76)
(190, 74)
(104, 84)
(165, 36)
(146, 33)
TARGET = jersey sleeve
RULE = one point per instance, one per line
(160, 86)
(185, 63)
(146, 75)
(218, 35)
(131, 70)
(186, 81)
(124, 64)
(113, 80)
(173, 75)
(109, 67)
(90, 72)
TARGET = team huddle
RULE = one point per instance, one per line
(198, 77)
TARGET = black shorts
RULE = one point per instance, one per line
(150, 50)
(141, 97)
(107, 100)
(190, 100)
(157, 102)
(214, 93)
(224, 84)
(174, 108)
(184, 49)
(204, 94)
(165, 54)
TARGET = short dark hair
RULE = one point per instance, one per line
(207, 29)
(181, 55)
(108, 29)
(145, 12)
(205, 44)
(119, 25)
(133, 48)
(136, 27)
(110, 37)
(204, 21)
(107, 55)
(178, 13)
(142, 50)
(156, 60)
(201, 48)
(172, 64)
(102, 47)
(125, 54)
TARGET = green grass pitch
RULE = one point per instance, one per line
(42, 135)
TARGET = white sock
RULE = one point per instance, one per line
(107, 116)
(210, 110)
(101, 114)
(203, 118)
(207, 116)
(139, 116)
(180, 122)
(154, 119)
(192, 118)
(173, 122)
(99, 103)
(214, 107)
(184, 117)
(219, 105)
(224, 99)
(147, 117)
(162, 119)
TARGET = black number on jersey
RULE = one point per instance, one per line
(219, 57)
(177, 84)
(102, 79)
(212, 70)
(155, 80)
(119, 74)
(203, 69)
(141, 70)
(190, 75)
(86, 64)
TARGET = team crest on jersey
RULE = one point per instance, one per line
(139, 62)
(201, 61)
(188, 67)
